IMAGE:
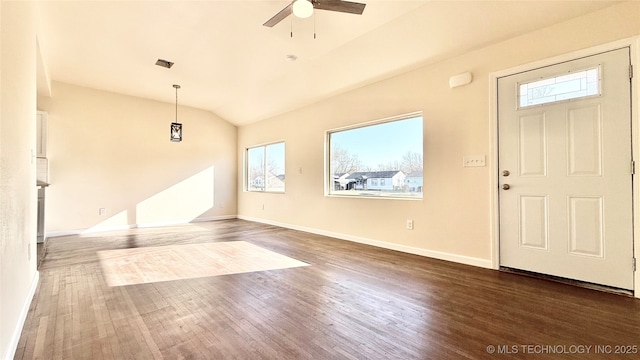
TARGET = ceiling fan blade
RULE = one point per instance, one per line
(279, 16)
(340, 6)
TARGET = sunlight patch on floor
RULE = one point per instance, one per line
(177, 262)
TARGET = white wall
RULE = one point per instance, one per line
(18, 275)
(112, 151)
(452, 221)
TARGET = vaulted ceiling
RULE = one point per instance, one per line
(227, 62)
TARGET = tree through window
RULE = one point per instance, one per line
(265, 168)
(379, 159)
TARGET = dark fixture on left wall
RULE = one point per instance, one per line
(164, 63)
(176, 127)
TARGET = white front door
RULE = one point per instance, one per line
(565, 166)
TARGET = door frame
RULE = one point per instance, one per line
(634, 44)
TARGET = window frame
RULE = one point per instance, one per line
(329, 176)
(247, 172)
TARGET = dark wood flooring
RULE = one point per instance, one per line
(353, 302)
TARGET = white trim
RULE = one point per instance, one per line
(182, 222)
(91, 230)
(494, 205)
(594, 50)
(214, 218)
(245, 171)
(467, 260)
(634, 44)
(410, 115)
(17, 331)
(328, 176)
(635, 137)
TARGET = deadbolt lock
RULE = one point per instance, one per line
(505, 173)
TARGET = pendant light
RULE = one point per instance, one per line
(176, 127)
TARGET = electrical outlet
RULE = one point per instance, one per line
(102, 211)
(473, 160)
(409, 224)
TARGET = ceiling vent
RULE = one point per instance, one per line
(164, 63)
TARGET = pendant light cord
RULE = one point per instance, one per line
(176, 87)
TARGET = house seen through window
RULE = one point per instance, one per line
(381, 159)
(265, 168)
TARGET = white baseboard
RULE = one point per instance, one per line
(52, 234)
(184, 221)
(462, 259)
(214, 218)
(17, 331)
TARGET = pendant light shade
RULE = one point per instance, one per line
(176, 132)
(302, 8)
(176, 127)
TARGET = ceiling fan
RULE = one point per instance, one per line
(304, 8)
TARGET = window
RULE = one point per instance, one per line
(377, 159)
(265, 168)
(575, 85)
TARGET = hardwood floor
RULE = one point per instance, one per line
(353, 302)
(187, 261)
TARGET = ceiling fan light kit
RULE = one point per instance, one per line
(305, 8)
(302, 8)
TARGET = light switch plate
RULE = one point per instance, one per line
(473, 160)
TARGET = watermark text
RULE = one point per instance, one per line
(537, 349)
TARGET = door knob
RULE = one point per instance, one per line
(506, 187)
(506, 173)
